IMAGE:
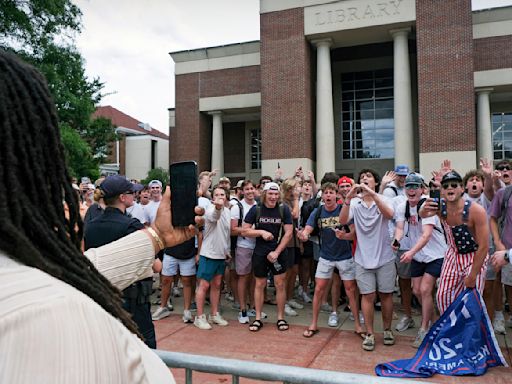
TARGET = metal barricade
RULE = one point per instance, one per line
(264, 371)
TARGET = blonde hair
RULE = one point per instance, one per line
(287, 186)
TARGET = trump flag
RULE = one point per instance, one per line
(461, 342)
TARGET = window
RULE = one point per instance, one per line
(502, 135)
(255, 148)
(367, 115)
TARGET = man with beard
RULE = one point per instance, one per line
(374, 258)
(467, 236)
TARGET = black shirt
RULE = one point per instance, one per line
(109, 227)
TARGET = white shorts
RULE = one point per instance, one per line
(170, 266)
(506, 274)
(346, 268)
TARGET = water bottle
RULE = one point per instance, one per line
(277, 266)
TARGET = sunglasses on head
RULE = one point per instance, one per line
(452, 184)
(503, 168)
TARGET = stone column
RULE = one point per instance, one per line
(325, 139)
(217, 145)
(404, 130)
(484, 131)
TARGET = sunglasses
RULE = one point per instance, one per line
(503, 168)
(128, 193)
(412, 186)
(448, 185)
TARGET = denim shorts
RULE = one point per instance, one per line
(171, 265)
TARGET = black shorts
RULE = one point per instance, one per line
(261, 266)
(308, 250)
(293, 257)
(433, 268)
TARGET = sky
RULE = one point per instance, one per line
(126, 43)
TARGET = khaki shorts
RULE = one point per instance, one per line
(380, 279)
(346, 268)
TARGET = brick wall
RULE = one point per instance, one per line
(446, 101)
(190, 139)
(286, 88)
(492, 53)
(231, 81)
(234, 147)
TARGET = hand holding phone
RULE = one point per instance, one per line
(435, 195)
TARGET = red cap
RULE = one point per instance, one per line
(345, 179)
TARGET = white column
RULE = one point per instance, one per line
(484, 134)
(217, 145)
(325, 139)
(404, 130)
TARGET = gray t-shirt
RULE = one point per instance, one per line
(372, 230)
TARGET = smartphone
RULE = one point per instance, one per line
(344, 227)
(183, 180)
(435, 194)
(396, 243)
(85, 180)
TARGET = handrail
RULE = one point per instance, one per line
(265, 371)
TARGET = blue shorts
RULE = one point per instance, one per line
(433, 268)
(209, 268)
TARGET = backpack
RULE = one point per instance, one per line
(258, 215)
(393, 188)
(504, 207)
(420, 203)
(307, 209)
(240, 221)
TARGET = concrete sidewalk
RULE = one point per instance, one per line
(337, 349)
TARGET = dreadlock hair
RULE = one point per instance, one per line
(34, 181)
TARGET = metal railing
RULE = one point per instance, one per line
(264, 371)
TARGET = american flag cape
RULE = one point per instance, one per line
(461, 342)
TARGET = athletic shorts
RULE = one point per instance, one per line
(308, 250)
(261, 266)
(403, 270)
(171, 265)
(506, 274)
(209, 268)
(346, 268)
(293, 257)
(381, 279)
(243, 260)
(433, 268)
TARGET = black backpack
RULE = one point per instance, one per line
(307, 209)
(240, 221)
(393, 188)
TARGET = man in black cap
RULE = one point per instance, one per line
(113, 224)
(467, 236)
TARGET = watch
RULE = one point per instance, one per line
(507, 256)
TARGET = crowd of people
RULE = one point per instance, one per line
(358, 239)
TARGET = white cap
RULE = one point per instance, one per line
(271, 186)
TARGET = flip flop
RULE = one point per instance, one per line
(282, 325)
(308, 333)
(255, 326)
(361, 334)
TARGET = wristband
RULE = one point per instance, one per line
(507, 256)
(156, 237)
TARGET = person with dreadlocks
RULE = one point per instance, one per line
(57, 308)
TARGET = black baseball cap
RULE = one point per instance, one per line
(452, 175)
(115, 185)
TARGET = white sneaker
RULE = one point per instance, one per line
(404, 324)
(499, 326)
(176, 292)
(333, 320)
(325, 308)
(252, 313)
(361, 317)
(201, 322)
(243, 319)
(289, 311)
(306, 298)
(419, 338)
(217, 319)
(161, 313)
(187, 316)
(292, 303)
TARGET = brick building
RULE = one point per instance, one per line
(345, 85)
(139, 149)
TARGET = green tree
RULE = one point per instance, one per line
(42, 32)
(157, 174)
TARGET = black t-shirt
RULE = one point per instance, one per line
(109, 227)
(183, 251)
(270, 221)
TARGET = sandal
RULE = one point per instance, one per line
(310, 333)
(270, 302)
(282, 325)
(255, 326)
